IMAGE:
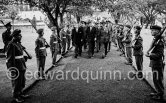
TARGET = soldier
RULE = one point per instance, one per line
(68, 37)
(17, 66)
(128, 44)
(91, 32)
(64, 39)
(121, 36)
(156, 62)
(138, 50)
(41, 53)
(54, 46)
(77, 38)
(6, 36)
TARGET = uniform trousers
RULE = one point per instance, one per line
(158, 79)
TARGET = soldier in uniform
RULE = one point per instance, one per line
(128, 45)
(54, 46)
(156, 62)
(68, 37)
(6, 36)
(91, 32)
(41, 53)
(17, 66)
(64, 39)
(138, 50)
(77, 38)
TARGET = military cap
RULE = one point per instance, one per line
(8, 24)
(128, 26)
(138, 27)
(53, 28)
(39, 31)
(16, 32)
(156, 27)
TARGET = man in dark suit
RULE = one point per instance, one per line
(77, 36)
(91, 32)
(157, 62)
(138, 50)
(6, 36)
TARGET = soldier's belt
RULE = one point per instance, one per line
(55, 42)
(19, 57)
(43, 48)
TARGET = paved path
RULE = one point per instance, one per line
(62, 88)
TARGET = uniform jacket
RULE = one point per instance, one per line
(91, 34)
(77, 35)
(54, 42)
(156, 56)
(40, 47)
(137, 46)
(63, 35)
(128, 40)
(104, 35)
(14, 50)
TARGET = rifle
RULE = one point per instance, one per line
(152, 46)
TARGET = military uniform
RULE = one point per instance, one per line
(156, 63)
(6, 36)
(64, 40)
(54, 47)
(41, 54)
(128, 48)
(68, 37)
(16, 65)
(138, 52)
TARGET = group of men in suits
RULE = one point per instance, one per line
(90, 35)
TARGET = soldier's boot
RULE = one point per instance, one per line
(18, 100)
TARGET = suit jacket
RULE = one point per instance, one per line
(77, 36)
(137, 47)
(156, 56)
(91, 34)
